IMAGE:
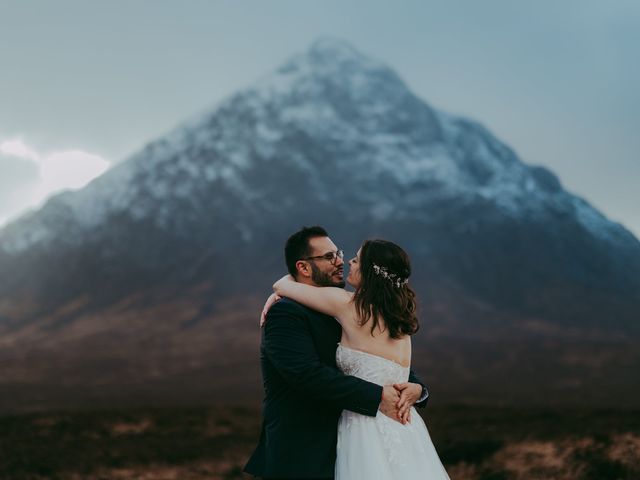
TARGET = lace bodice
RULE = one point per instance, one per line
(378, 446)
(373, 368)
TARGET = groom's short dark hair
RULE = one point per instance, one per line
(297, 246)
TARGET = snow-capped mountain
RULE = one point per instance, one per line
(332, 137)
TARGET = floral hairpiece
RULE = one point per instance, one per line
(395, 279)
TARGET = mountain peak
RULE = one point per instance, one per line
(502, 251)
(329, 56)
(334, 50)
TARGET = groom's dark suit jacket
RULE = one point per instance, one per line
(304, 394)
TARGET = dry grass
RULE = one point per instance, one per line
(213, 443)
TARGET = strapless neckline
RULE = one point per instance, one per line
(362, 352)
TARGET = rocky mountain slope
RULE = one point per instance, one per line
(149, 278)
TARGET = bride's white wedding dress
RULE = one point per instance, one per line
(379, 448)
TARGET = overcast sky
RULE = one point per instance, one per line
(84, 84)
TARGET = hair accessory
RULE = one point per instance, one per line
(395, 279)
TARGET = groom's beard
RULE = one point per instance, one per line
(323, 279)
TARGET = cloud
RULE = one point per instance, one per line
(28, 177)
(70, 169)
(17, 148)
(18, 180)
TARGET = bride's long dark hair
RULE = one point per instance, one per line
(383, 293)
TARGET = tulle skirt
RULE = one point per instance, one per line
(379, 448)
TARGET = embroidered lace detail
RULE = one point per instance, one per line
(369, 367)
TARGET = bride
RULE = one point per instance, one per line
(377, 321)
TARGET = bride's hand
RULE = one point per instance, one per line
(273, 298)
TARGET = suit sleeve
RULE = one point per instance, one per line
(289, 346)
(422, 401)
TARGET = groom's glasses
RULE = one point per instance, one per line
(329, 256)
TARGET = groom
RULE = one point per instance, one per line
(305, 392)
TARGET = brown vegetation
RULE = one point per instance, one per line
(474, 443)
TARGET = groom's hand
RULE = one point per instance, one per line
(389, 402)
(409, 394)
